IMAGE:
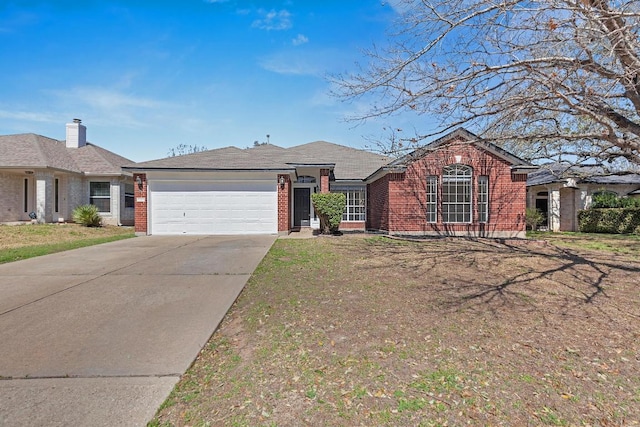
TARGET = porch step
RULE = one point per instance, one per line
(301, 233)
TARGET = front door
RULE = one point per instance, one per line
(543, 206)
(301, 207)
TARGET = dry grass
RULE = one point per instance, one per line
(20, 236)
(372, 331)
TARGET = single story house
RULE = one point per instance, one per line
(561, 191)
(456, 185)
(44, 179)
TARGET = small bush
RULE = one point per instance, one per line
(533, 218)
(329, 207)
(87, 215)
(611, 220)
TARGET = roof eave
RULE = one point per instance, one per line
(179, 169)
(384, 171)
(313, 165)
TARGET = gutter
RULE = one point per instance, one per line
(166, 169)
(524, 169)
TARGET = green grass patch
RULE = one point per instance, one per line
(628, 244)
(17, 254)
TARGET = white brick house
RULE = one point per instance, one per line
(561, 191)
(47, 178)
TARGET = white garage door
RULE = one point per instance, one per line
(214, 207)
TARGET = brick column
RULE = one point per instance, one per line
(324, 180)
(140, 193)
(284, 204)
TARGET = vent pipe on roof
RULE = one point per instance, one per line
(76, 134)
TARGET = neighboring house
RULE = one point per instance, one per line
(561, 191)
(457, 185)
(47, 178)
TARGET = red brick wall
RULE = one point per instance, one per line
(378, 204)
(407, 194)
(140, 194)
(284, 203)
(324, 180)
(352, 225)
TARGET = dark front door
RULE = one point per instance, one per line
(543, 206)
(301, 210)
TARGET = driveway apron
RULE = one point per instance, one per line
(99, 336)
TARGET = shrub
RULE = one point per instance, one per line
(607, 199)
(329, 207)
(533, 218)
(611, 220)
(87, 215)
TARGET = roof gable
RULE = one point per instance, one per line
(461, 135)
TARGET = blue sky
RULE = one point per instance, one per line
(146, 76)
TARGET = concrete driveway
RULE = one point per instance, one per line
(100, 335)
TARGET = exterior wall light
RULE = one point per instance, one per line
(139, 182)
(281, 181)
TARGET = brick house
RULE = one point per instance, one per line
(457, 185)
(45, 178)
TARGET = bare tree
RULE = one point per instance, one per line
(555, 79)
(182, 149)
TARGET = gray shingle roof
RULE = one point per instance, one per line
(556, 172)
(31, 151)
(34, 151)
(350, 163)
(229, 158)
(92, 159)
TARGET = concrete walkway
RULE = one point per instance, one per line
(99, 336)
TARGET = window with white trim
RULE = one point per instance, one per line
(100, 195)
(483, 198)
(356, 207)
(432, 198)
(456, 193)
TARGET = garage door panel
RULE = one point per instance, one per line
(247, 207)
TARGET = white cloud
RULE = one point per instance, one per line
(300, 39)
(29, 116)
(273, 20)
(108, 99)
(399, 6)
(102, 106)
(292, 63)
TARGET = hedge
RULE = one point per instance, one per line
(329, 207)
(612, 220)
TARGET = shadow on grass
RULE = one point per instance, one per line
(497, 275)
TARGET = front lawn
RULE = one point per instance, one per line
(338, 331)
(26, 241)
(619, 243)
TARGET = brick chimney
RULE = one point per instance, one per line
(76, 134)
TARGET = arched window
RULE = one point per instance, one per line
(456, 193)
